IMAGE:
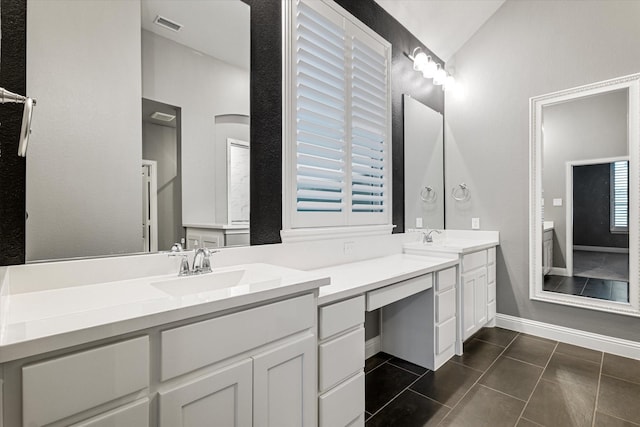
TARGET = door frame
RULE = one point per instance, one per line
(151, 239)
(569, 202)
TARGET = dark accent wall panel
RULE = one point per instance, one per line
(13, 77)
(592, 208)
(404, 80)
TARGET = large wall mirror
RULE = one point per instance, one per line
(143, 115)
(584, 196)
(423, 165)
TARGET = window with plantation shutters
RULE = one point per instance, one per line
(620, 196)
(339, 129)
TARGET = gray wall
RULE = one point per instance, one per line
(203, 87)
(526, 49)
(423, 164)
(594, 127)
(85, 150)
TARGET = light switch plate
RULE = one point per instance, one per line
(475, 223)
(557, 202)
(418, 222)
(349, 247)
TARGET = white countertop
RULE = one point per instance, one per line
(454, 242)
(219, 226)
(348, 280)
(46, 320)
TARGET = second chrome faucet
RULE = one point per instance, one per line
(201, 260)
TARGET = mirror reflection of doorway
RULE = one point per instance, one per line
(597, 259)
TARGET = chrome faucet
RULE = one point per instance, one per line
(177, 250)
(427, 236)
(201, 261)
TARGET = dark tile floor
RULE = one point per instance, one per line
(506, 379)
(611, 290)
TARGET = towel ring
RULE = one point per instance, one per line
(461, 189)
(428, 194)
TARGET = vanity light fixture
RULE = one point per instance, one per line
(431, 69)
(25, 129)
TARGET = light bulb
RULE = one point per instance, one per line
(440, 76)
(420, 61)
(429, 69)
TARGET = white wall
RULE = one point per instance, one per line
(203, 87)
(526, 49)
(84, 154)
(594, 127)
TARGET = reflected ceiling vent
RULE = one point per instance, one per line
(163, 117)
(167, 23)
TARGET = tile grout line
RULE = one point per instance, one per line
(621, 419)
(595, 406)
(398, 394)
(406, 370)
(429, 398)
(376, 367)
(502, 392)
(621, 379)
(523, 361)
(476, 382)
(538, 382)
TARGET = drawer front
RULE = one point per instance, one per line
(474, 260)
(445, 305)
(491, 308)
(340, 358)
(491, 273)
(135, 414)
(491, 255)
(340, 316)
(446, 279)
(445, 335)
(343, 405)
(390, 294)
(491, 292)
(61, 387)
(194, 346)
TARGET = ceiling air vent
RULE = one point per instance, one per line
(167, 23)
(163, 117)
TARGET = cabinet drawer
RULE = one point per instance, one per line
(445, 305)
(390, 294)
(344, 404)
(340, 358)
(194, 346)
(474, 260)
(135, 414)
(491, 255)
(61, 387)
(340, 316)
(445, 335)
(446, 279)
(491, 292)
(491, 308)
(491, 273)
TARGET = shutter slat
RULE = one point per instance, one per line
(319, 206)
(320, 162)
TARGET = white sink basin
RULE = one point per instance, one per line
(190, 285)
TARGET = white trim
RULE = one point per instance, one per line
(558, 271)
(569, 201)
(307, 234)
(536, 104)
(152, 239)
(372, 347)
(601, 249)
(618, 346)
(233, 142)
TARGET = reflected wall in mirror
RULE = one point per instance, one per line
(423, 165)
(130, 148)
(584, 229)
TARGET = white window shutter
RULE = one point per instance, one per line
(620, 196)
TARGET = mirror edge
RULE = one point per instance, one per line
(632, 84)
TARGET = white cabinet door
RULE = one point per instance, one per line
(284, 386)
(474, 297)
(222, 398)
(480, 298)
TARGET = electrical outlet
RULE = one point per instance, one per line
(475, 223)
(349, 247)
(557, 202)
(418, 222)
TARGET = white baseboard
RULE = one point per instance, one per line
(601, 249)
(372, 347)
(590, 340)
(559, 271)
